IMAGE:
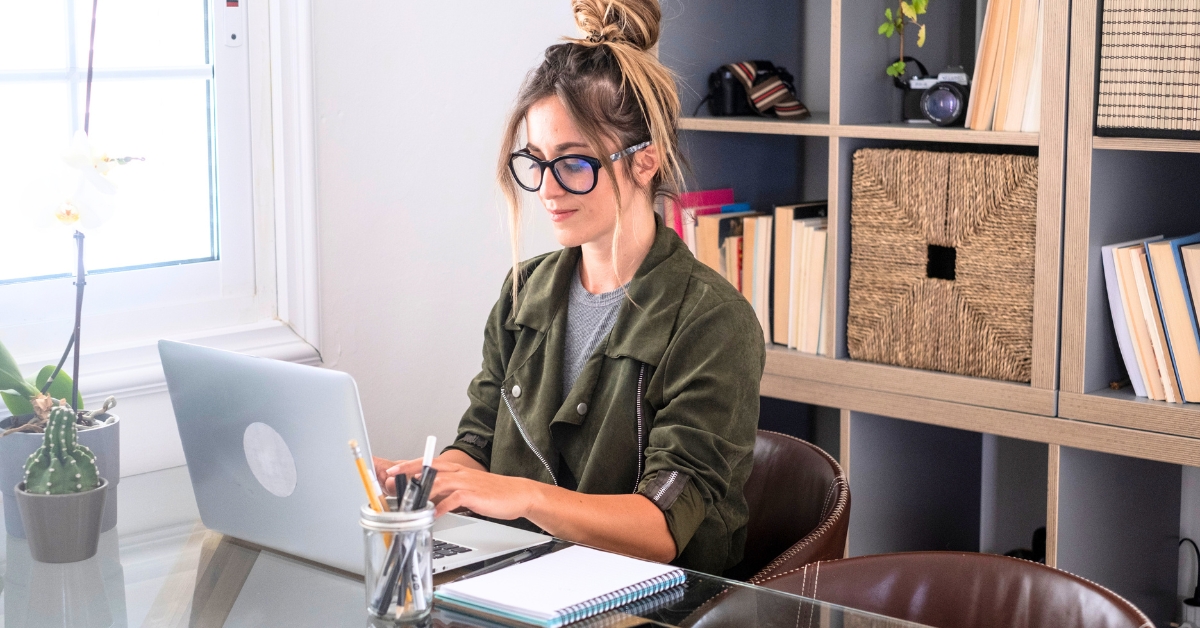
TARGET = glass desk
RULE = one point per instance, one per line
(161, 567)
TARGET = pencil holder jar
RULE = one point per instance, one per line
(398, 549)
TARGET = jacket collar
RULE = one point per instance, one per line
(641, 332)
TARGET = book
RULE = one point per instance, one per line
(1031, 122)
(678, 209)
(1121, 318)
(559, 588)
(731, 260)
(1175, 306)
(762, 273)
(1191, 262)
(816, 285)
(1158, 341)
(782, 283)
(711, 231)
(1136, 321)
(746, 280)
(802, 276)
(1008, 63)
(1022, 66)
(982, 102)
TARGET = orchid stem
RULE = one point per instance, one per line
(87, 105)
(61, 361)
(79, 284)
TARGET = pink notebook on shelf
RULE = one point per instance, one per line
(699, 202)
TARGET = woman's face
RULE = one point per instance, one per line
(577, 218)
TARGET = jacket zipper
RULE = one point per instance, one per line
(666, 485)
(641, 429)
(525, 436)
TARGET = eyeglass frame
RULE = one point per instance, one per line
(549, 165)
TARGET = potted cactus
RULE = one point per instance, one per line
(62, 498)
(23, 433)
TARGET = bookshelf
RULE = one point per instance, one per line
(964, 462)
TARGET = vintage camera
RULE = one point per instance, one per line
(941, 100)
(727, 96)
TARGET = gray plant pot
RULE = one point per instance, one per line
(104, 441)
(62, 528)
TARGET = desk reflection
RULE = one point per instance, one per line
(86, 594)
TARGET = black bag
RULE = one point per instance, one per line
(753, 88)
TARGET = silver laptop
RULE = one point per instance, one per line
(266, 448)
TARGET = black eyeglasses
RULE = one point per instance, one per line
(576, 174)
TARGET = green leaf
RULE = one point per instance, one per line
(10, 375)
(883, 27)
(891, 29)
(919, 6)
(908, 11)
(896, 70)
(888, 14)
(16, 404)
(921, 36)
(61, 388)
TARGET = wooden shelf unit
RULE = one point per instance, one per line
(1084, 449)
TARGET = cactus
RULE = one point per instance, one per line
(61, 465)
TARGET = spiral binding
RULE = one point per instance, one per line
(617, 598)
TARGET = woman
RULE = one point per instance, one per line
(618, 400)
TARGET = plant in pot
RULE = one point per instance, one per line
(23, 434)
(62, 496)
(85, 203)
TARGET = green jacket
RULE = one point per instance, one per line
(667, 405)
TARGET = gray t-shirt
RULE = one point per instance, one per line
(589, 319)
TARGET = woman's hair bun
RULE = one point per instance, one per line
(635, 22)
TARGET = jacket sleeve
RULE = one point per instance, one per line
(478, 425)
(705, 429)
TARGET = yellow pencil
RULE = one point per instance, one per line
(368, 485)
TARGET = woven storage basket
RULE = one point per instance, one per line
(1149, 69)
(917, 217)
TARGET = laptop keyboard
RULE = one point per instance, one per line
(442, 549)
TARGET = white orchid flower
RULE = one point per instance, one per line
(89, 197)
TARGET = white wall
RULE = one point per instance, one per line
(410, 101)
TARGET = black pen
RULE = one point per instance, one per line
(520, 557)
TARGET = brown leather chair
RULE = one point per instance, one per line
(799, 507)
(962, 590)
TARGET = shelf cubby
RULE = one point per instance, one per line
(1129, 194)
(1118, 525)
(902, 501)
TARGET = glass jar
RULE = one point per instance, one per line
(398, 550)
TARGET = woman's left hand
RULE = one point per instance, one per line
(488, 494)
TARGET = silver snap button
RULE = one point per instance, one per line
(581, 409)
(516, 390)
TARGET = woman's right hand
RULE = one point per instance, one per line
(382, 465)
(388, 481)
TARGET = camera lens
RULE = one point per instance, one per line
(944, 104)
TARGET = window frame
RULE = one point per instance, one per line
(260, 296)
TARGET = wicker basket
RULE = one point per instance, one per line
(1149, 68)
(941, 261)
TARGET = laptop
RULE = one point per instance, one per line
(267, 450)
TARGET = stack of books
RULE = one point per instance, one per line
(1006, 90)
(1153, 294)
(776, 260)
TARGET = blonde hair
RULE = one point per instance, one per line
(617, 94)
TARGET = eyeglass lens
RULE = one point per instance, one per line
(575, 175)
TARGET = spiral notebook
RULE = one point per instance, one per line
(559, 588)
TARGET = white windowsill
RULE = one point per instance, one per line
(134, 370)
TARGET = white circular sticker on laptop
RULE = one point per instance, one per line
(270, 459)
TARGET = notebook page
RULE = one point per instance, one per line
(543, 586)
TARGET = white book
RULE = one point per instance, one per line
(1032, 120)
(1022, 65)
(1121, 318)
(762, 272)
(816, 283)
(799, 239)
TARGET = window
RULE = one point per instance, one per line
(152, 97)
(188, 248)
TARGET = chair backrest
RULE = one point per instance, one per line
(962, 590)
(799, 506)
